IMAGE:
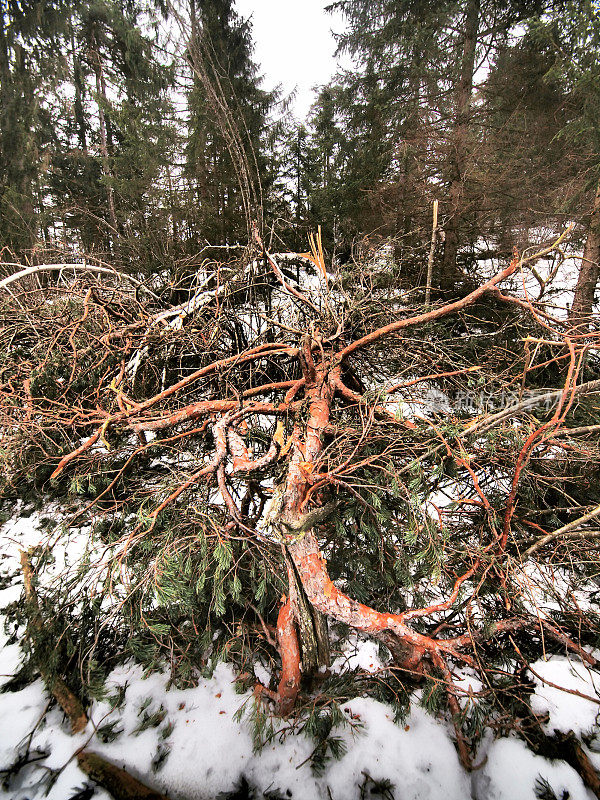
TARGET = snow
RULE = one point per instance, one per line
(568, 712)
(543, 588)
(511, 772)
(358, 653)
(209, 751)
(417, 757)
(206, 750)
(26, 711)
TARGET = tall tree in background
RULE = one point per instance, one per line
(574, 35)
(116, 139)
(226, 166)
(30, 65)
(423, 62)
(525, 169)
(460, 133)
(327, 200)
(383, 109)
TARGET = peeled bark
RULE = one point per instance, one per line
(589, 272)
(312, 626)
(325, 596)
(289, 682)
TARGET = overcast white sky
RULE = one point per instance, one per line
(294, 45)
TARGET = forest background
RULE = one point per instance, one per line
(279, 375)
(111, 146)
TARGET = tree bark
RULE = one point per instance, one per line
(78, 83)
(458, 155)
(589, 272)
(289, 648)
(106, 170)
(117, 781)
(312, 625)
(310, 576)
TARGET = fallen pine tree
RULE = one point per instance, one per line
(291, 449)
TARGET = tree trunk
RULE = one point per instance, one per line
(407, 646)
(311, 588)
(312, 625)
(106, 171)
(18, 166)
(78, 82)
(589, 272)
(459, 148)
(5, 77)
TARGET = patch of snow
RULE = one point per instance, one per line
(208, 751)
(358, 653)
(262, 673)
(568, 712)
(511, 772)
(418, 757)
(467, 685)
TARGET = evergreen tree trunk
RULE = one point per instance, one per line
(458, 147)
(5, 78)
(298, 178)
(102, 99)
(589, 272)
(18, 159)
(312, 625)
(78, 83)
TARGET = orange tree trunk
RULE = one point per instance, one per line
(309, 566)
(311, 623)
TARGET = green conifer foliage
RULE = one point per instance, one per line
(31, 65)
(111, 162)
(226, 165)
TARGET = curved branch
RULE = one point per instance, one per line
(458, 305)
(23, 273)
(429, 316)
(327, 598)
(242, 458)
(567, 531)
(279, 275)
(200, 409)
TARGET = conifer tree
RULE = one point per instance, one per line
(226, 164)
(30, 66)
(525, 169)
(419, 65)
(574, 34)
(117, 138)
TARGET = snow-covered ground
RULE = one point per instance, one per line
(189, 744)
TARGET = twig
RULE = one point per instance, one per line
(434, 230)
(567, 531)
